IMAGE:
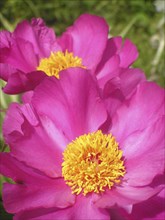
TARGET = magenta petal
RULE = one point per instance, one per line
(151, 209)
(113, 47)
(21, 52)
(128, 54)
(13, 118)
(27, 97)
(118, 213)
(140, 146)
(108, 71)
(30, 141)
(66, 41)
(32, 189)
(89, 36)
(21, 173)
(5, 71)
(126, 50)
(141, 110)
(35, 214)
(18, 197)
(83, 209)
(126, 195)
(41, 37)
(17, 57)
(121, 87)
(129, 80)
(5, 39)
(20, 82)
(17, 83)
(74, 99)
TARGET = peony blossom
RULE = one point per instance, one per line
(33, 52)
(71, 160)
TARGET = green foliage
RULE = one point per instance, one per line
(137, 20)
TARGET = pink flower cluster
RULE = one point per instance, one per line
(87, 142)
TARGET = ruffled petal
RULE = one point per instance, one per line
(27, 97)
(39, 35)
(129, 80)
(151, 209)
(6, 70)
(74, 99)
(126, 51)
(128, 54)
(20, 173)
(32, 189)
(121, 87)
(113, 47)
(19, 197)
(108, 71)
(31, 141)
(5, 39)
(87, 39)
(21, 56)
(83, 209)
(146, 147)
(19, 82)
(142, 109)
(125, 195)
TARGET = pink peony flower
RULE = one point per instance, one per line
(33, 52)
(71, 160)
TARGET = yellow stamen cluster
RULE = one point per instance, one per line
(59, 61)
(92, 163)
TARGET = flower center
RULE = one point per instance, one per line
(92, 163)
(59, 61)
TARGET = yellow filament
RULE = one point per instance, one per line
(59, 61)
(92, 163)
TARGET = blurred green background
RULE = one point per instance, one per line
(143, 21)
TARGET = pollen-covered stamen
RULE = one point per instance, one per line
(92, 163)
(58, 61)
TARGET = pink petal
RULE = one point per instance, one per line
(5, 39)
(6, 70)
(19, 82)
(41, 37)
(126, 50)
(113, 96)
(21, 173)
(146, 147)
(125, 195)
(17, 58)
(151, 209)
(130, 78)
(113, 47)
(13, 118)
(128, 54)
(125, 80)
(121, 87)
(19, 197)
(141, 110)
(83, 209)
(35, 214)
(89, 37)
(27, 97)
(108, 71)
(30, 141)
(117, 213)
(74, 99)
